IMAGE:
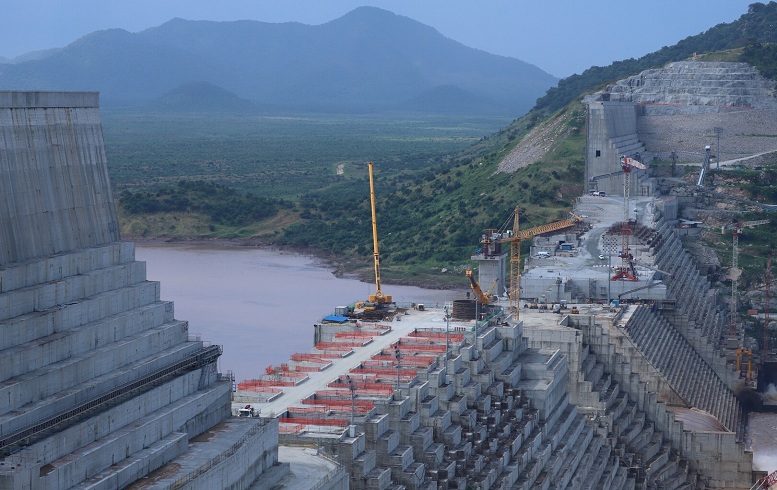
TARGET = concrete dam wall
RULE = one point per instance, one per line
(99, 383)
(678, 110)
(54, 189)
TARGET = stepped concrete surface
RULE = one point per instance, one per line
(101, 386)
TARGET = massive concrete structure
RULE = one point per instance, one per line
(101, 385)
(672, 113)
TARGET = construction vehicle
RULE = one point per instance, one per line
(378, 299)
(484, 298)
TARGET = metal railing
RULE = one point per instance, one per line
(203, 357)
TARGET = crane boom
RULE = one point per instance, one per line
(515, 252)
(378, 297)
(482, 297)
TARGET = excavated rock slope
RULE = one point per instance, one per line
(680, 107)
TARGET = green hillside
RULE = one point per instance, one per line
(431, 212)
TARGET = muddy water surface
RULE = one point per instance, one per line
(260, 305)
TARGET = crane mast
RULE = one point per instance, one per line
(378, 297)
(514, 238)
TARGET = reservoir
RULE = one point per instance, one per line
(259, 304)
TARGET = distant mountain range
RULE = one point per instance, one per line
(368, 60)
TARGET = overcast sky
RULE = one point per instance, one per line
(562, 37)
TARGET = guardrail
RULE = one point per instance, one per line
(203, 357)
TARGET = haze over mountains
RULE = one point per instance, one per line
(368, 60)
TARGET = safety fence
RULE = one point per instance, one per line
(335, 346)
(438, 336)
(366, 388)
(410, 348)
(355, 335)
(317, 357)
(331, 403)
(322, 421)
(421, 360)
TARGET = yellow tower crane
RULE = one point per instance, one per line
(515, 252)
(378, 298)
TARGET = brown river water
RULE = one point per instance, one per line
(259, 304)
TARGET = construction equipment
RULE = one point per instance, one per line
(492, 238)
(484, 298)
(378, 298)
(705, 166)
(747, 374)
(626, 270)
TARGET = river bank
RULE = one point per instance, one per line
(361, 270)
(260, 305)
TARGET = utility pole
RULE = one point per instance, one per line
(398, 355)
(717, 130)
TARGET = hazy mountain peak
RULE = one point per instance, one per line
(370, 59)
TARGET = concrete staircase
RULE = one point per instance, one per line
(495, 415)
(697, 316)
(637, 442)
(678, 457)
(687, 372)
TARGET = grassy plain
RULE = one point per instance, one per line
(277, 156)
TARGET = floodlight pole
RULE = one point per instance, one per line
(352, 387)
(398, 355)
(609, 279)
(447, 330)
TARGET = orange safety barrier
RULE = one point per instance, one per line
(354, 335)
(415, 341)
(293, 374)
(332, 394)
(408, 360)
(338, 345)
(314, 421)
(452, 337)
(421, 348)
(319, 357)
(290, 428)
(261, 389)
(374, 325)
(403, 373)
(380, 389)
(366, 388)
(339, 409)
(308, 369)
(365, 404)
(310, 409)
(264, 382)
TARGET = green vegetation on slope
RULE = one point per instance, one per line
(437, 185)
(433, 219)
(220, 204)
(757, 25)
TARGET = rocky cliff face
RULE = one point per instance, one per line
(693, 87)
(687, 105)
